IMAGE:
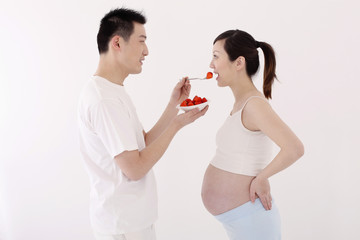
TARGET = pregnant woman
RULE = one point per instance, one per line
(236, 189)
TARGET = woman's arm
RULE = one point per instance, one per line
(258, 115)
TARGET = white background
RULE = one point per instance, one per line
(48, 52)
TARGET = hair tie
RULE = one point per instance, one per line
(257, 44)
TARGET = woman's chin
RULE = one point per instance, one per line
(220, 84)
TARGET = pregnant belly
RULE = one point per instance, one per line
(223, 191)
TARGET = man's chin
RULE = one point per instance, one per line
(137, 71)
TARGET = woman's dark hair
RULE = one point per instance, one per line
(120, 22)
(239, 43)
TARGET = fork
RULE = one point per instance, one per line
(198, 79)
(209, 75)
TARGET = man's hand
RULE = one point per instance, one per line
(181, 91)
(260, 187)
(186, 118)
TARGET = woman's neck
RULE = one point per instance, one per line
(243, 88)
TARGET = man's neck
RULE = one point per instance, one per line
(109, 70)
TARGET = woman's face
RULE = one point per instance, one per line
(221, 64)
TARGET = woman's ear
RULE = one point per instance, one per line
(240, 63)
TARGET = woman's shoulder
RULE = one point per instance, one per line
(255, 101)
(255, 108)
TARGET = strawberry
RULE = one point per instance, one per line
(183, 104)
(196, 99)
(191, 102)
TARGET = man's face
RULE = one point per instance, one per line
(135, 50)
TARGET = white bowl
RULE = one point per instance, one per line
(188, 108)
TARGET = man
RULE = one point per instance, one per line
(118, 154)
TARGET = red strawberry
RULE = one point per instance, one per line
(209, 75)
(196, 99)
(183, 104)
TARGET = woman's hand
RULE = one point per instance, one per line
(261, 187)
(181, 91)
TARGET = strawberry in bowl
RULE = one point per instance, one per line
(196, 102)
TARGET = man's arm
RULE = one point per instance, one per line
(136, 164)
(179, 94)
(168, 115)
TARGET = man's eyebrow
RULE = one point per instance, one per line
(143, 36)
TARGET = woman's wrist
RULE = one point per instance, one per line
(262, 176)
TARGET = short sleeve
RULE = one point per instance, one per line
(112, 124)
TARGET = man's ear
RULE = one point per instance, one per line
(116, 43)
(240, 63)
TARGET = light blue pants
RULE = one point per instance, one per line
(251, 221)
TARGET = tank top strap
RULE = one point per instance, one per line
(247, 100)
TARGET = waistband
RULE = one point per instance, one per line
(243, 211)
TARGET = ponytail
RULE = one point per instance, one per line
(269, 68)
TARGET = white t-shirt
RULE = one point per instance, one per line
(109, 125)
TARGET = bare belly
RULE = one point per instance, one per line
(223, 191)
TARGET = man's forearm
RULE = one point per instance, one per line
(135, 164)
(168, 115)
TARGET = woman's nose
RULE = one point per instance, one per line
(211, 65)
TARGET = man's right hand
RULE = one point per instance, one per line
(181, 91)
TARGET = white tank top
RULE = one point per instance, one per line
(240, 150)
